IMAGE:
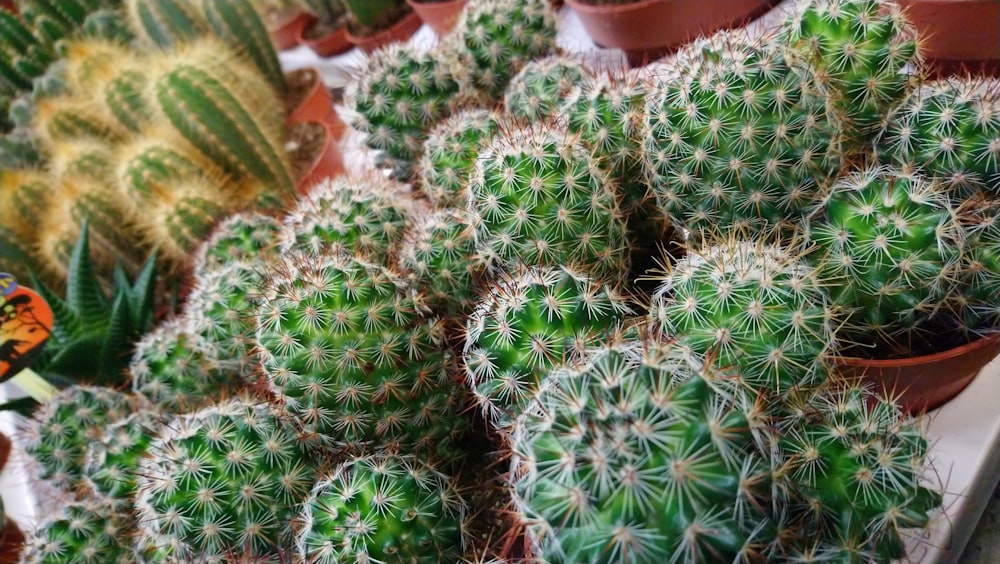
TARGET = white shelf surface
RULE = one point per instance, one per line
(964, 434)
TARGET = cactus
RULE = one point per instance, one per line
(640, 457)
(242, 237)
(383, 509)
(449, 155)
(84, 532)
(150, 167)
(529, 323)
(544, 200)
(112, 461)
(858, 51)
(375, 14)
(500, 37)
(239, 25)
(57, 435)
(751, 306)
(166, 23)
(949, 131)
(737, 139)
(221, 308)
(887, 248)
(343, 347)
(976, 310)
(850, 471)
(125, 98)
(402, 93)
(537, 91)
(221, 482)
(361, 216)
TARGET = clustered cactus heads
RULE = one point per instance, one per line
(450, 153)
(537, 91)
(84, 531)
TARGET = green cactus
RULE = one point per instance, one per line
(221, 308)
(402, 93)
(239, 25)
(383, 509)
(242, 237)
(851, 471)
(150, 168)
(221, 482)
(500, 37)
(362, 216)
(375, 15)
(544, 200)
(529, 323)
(541, 86)
(166, 23)
(888, 249)
(125, 97)
(750, 306)
(343, 347)
(642, 458)
(857, 50)
(975, 308)
(58, 434)
(949, 131)
(84, 532)
(449, 155)
(112, 461)
(737, 139)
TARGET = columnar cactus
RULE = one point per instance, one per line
(166, 23)
(528, 324)
(888, 248)
(736, 138)
(537, 91)
(750, 306)
(239, 25)
(449, 155)
(402, 93)
(86, 532)
(544, 200)
(343, 347)
(640, 460)
(950, 131)
(221, 482)
(383, 509)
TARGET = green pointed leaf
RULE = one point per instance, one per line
(83, 290)
(117, 342)
(66, 324)
(142, 296)
(78, 358)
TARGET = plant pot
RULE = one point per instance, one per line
(287, 34)
(328, 45)
(312, 99)
(957, 35)
(399, 31)
(439, 16)
(925, 382)
(318, 155)
(648, 29)
(12, 541)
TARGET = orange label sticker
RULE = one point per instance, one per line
(25, 325)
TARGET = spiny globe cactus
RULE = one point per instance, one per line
(112, 461)
(450, 152)
(383, 509)
(529, 323)
(975, 305)
(221, 482)
(221, 308)
(242, 237)
(537, 91)
(343, 346)
(84, 532)
(641, 458)
(751, 306)
(543, 199)
(950, 131)
(888, 249)
(851, 471)
(736, 138)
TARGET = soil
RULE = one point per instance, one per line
(305, 143)
(298, 83)
(392, 18)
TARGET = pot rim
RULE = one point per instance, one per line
(982, 342)
(615, 8)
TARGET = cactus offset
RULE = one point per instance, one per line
(537, 91)
(449, 155)
(86, 532)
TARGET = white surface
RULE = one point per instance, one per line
(18, 499)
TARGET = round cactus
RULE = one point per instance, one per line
(541, 86)
(639, 458)
(221, 482)
(343, 347)
(84, 532)
(737, 139)
(221, 308)
(449, 155)
(383, 509)
(949, 131)
(751, 306)
(526, 325)
(112, 461)
(887, 248)
(544, 200)
(242, 237)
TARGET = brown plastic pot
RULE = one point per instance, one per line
(328, 45)
(925, 382)
(288, 34)
(316, 105)
(649, 29)
(957, 34)
(439, 16)
(400, 31)
(12, 541)
(327, 163)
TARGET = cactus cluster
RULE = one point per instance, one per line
(537, 91)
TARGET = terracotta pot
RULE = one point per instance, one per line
(400, 31)
(328, 161)
(11, 542)
(958, 34)
(5, 446)
(440, 16)
(287, 35)
(316, 105)
(328, 45)
(648, 29)
(925, 382)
